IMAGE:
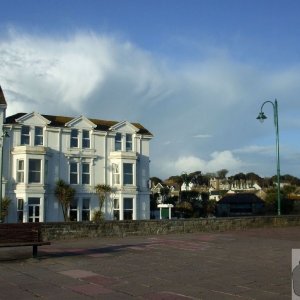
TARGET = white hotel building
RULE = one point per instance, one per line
(83, 152)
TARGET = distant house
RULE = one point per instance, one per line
(215, 195)
(240, 204)
(185, 187)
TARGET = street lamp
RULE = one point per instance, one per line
(4, 135)
(261, 117)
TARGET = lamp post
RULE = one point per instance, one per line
(261, 117)
(4, 135)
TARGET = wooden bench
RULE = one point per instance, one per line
(21, 235)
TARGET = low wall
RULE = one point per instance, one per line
(73, 230)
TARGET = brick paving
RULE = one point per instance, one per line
(249, 264)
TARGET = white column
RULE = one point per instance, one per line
(121, 208)
(134, 208)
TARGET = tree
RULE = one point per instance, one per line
(287, 204)
(155, 180)
(103, 190)
(5, 202)
(65, 194)
(222, 173)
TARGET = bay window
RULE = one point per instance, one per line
(85, 173)
(74, 210)
(34, 171)
(85, 212)
(116, 174)
(128, 208)
(20, 171)
(116, 209)
(73, 173)
(127, 173)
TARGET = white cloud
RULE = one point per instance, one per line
(102, 76)
(217, 161)
(202, 136)
(254, 149)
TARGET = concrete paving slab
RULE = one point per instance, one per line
(250, 264)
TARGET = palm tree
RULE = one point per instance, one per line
(65, 194)
(5, 202)
(103, 190)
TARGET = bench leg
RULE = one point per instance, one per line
(34, 251)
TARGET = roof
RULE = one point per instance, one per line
(240, 198)
(60, 121)
(2, 98)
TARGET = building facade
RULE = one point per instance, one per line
(42, 149)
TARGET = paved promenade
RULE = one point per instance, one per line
(250, 264)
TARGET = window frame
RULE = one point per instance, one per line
(74, 139)
(127, 211)
(129, 142)
(86, 210)
(84, 174)
(20, 172)
(73, 209)
(115, 174)
(20, 210)
(25, 136)
(116, 209)
(73, 174)
(38, 136)
(32, 172)
(127, 175)
(118, 141)
(86, 140)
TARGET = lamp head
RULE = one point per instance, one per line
(261, 116)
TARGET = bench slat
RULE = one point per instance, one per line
(21, 235)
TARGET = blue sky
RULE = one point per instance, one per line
(193, 72)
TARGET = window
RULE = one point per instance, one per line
(85, 139)
(73, 210)
(128, 173)
(25, 138)
(20, 171)
(116, 174)
(33, 209)
(34, 174)
(128, 208)
(128, 142)
(118, 142)
(73, 173)
(116, 209)
(20, 209)
(85, 173)
(85, 213)
(74, 138)
(38, 136)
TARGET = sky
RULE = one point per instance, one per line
(195, 73)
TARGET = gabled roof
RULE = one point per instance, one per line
(33, 114)
(78, 119)
(240, 198)
(61, 121)
(2, 98)
(123, 123)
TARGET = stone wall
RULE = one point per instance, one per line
(74, 230)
